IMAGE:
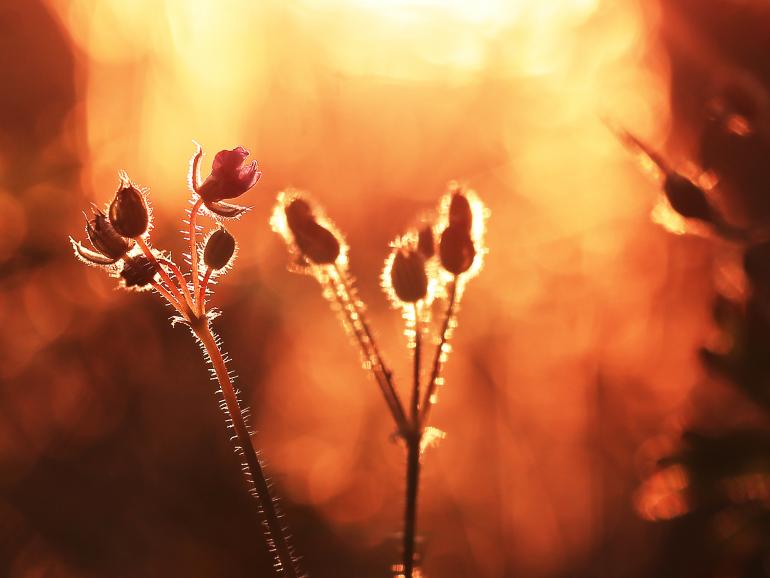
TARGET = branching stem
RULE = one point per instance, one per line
(438, 359)
(180, 278)
(193, 242)
(355, 318)
(276, 535)
(202, 293)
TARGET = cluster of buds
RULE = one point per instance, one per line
(426, 260)
(119, 235)
(120, 241)
(431, 262)
(116, 238)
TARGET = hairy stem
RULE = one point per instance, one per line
(169, 297)
(202, 295)
(166, 279)
(180, 279)
(440, 356)
(193, 244)
(276, 535)
(413, 455)
(355, 319)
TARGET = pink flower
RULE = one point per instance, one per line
(229, 179)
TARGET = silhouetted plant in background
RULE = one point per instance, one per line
(722, 474)
(431, 264)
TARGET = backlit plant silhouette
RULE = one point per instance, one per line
(427, 265)
(723, 475)
(120, 238)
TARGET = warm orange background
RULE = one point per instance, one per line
(575, 343)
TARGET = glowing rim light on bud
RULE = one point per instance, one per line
(280, 225)
(409, 241)
(480, 213)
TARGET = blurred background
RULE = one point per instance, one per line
(575, 362)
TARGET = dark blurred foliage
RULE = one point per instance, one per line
(714, 478)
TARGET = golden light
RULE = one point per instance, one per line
(372, 107)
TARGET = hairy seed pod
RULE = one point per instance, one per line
(456, 250)
(426, 245)
(460, 214)
(314, 241)
(105, 238)
(687, 198)
(219, 249)
(128, 212)
(408, 277)
(138, 271)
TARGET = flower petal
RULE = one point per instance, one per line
(227, 161)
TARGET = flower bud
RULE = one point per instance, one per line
(138, 271)
(315, 242)
(460, 214)
(425, 242)
(408, 277)
(230, 177)
(105, 238)
(687, 198)
(219, 249)
(128, 212)
(456, 250)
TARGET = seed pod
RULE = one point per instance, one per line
(138, 271)
(105, 238)
(315, 242)
(456, 250)
(425, 242)
(460, 214)
(219, 249)
(408, 277)
(298, 213)
(687, 198)
(128, 212)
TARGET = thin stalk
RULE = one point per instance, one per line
(277, 538)
(350, 290)
(438, 359)
(410, 513)
(180, 279)
(413, 456)
(356, 321)
(166, 279)
(193, 243)
(169, 297)
(202, 295)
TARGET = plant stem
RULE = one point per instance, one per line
(410, 513)
(180, 279)
(276, 535)
(439, 358)
(161, 271)
(202, 295)
(193, 244)
(413, 456)
(354, 315)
